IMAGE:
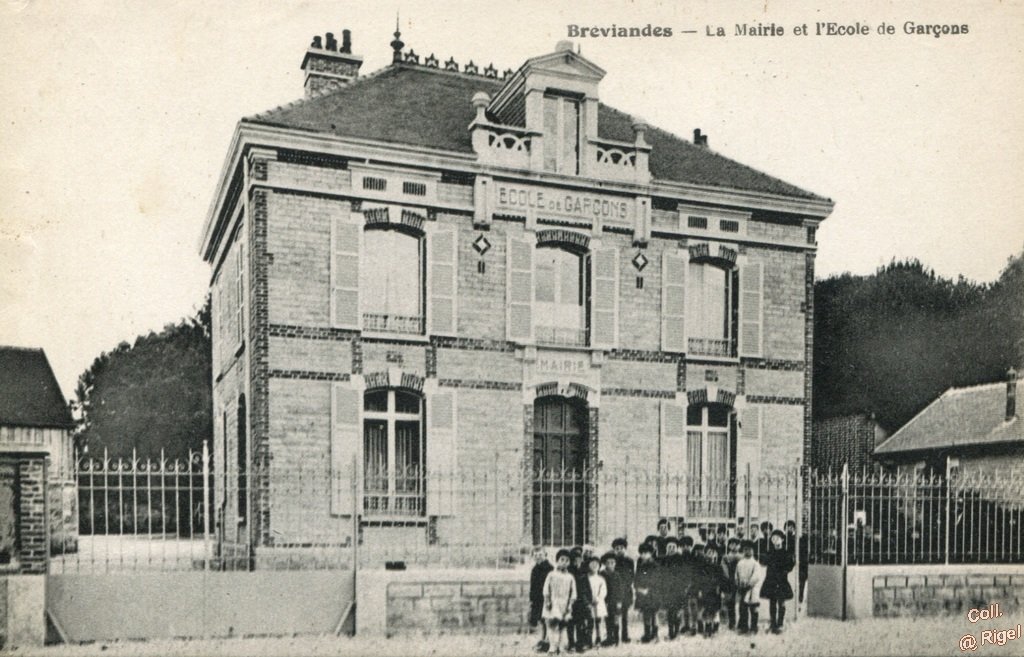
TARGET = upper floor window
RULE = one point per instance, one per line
(562, 132)
(393, 453)
(391, 281)
(560, 296)
(710, 320)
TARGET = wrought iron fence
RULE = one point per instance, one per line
(161, 514)
(907, 517)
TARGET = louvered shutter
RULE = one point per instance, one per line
(442, 484)
(346, 238)
(519, 286)
(346, 436)
(672, 456)
(748, 460)
(673, 302)
(751, 329)
(443, 253)
(604, 328)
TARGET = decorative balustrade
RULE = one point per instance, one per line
(503, 145)
(710, 347)
(557, 335)
(618, 160)
(409, 324)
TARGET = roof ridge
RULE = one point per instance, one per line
(976, 386)
(355, 82)
(17, 348)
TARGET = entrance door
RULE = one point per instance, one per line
(561, 484)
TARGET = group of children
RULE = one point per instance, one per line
(691, 582)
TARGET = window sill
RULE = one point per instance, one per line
(712, 359)
(406, 337)
(385, 520)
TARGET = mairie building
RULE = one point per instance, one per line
(438, 270)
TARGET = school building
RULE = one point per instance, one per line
(434, 271)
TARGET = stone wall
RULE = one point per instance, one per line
(946, 594)
(457, 607)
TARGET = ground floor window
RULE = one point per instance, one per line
(393, 453)
(710, 453)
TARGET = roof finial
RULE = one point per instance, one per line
(396, 44)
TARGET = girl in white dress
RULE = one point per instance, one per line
(599, 589)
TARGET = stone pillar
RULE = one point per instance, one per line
(25, 549)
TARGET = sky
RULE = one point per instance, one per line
(117, 116)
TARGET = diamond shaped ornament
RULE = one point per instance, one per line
(481, 244)
(640, 261)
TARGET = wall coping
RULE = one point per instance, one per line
(938, 569)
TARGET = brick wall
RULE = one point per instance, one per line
(25, 473)
(467, 607)
(294, 354)
(848, 439)
(946, 594)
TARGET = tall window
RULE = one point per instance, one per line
(391, 280)
(562, 119)
(243, 462)
(709, 459)
(709, 316)
(560, 297)
(393, 453)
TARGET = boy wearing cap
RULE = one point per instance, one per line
(625, 570)
(646, 583)
(672, 585)
(615, 585)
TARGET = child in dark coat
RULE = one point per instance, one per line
(671, 580)
(615, 585)
(582, 627)
(538, 576)
(775, 588)
(647, 589)
(713, 583)
(729, 560)
(625, 569)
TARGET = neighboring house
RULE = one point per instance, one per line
(973, 429)
(439, 268)
(846, 440)
(34, 417)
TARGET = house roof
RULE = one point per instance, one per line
(29, 393)
(960, 417)
(428, 107)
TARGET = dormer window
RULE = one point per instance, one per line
(562, 132)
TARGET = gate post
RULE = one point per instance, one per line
(207, 554)
(799, 534)
(844, 543)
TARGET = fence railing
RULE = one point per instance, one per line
(873, 517)
(161, 514)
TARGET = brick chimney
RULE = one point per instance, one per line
(699, 139)
(1011, 394)
(329, 67)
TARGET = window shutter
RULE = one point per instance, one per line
(346, 436)
(672, 457)
(519, 285)
(346, 236)
(748, 460)
(443, 251)
(441, 454)
(751, 309)
(604, 328)
(673, 306)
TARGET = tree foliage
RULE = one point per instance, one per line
(892, 342)
(152, 395)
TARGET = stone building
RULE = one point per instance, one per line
(443, 269)
(35, 427)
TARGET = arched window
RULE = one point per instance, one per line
(391, 281)
(560, 296)
(710, 328)
(393, 452)
(710, 451)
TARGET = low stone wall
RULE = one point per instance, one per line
(457, 607)
(936, 595)
(931, 590)
(442, 601)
